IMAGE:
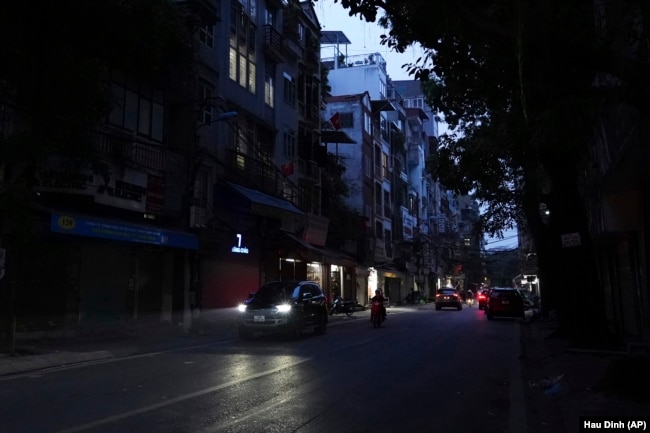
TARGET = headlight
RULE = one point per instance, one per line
(241, 307)
(284, 308)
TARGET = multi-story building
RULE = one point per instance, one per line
(392, 188)
(266, 221)
(209, 181)
(111, 224)
(447, 219)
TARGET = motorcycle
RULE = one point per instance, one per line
(470, 302)
(531, 310)
(339, 305)
(376, 314)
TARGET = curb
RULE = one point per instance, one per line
(23, 364)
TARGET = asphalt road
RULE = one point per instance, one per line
(423, 371)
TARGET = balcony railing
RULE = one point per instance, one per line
(262, 176)
(293, 47)
(124, 148)
(309, 169)
(273, 43)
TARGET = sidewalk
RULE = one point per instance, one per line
(36, 352)
(564, 384)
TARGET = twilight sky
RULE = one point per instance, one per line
(364, 37)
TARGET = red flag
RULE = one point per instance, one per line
(287, 169)
(336, 120)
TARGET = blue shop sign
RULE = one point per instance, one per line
(119, 231)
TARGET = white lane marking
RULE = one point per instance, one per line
(179, 399)
(199, 393)
(227, 424)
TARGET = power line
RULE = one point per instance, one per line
(501, 240)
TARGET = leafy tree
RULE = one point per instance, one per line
(516, 81)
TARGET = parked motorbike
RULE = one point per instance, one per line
(531, 310)
(376, 314)
(339, 305)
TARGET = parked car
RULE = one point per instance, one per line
(287, 307)
(504, 302)
(482, 297)
(448, 298)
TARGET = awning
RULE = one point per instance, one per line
(333, 37)
(320, 254)
(334, 136)
(118, 230)
(267, 205)
(335, 257)
(378, 105)
(302, 249)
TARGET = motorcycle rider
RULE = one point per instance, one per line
(470, 297)
(380, 298)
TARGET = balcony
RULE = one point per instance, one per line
(123, 148)
(312, 59)
(293, 48)
(309, 169)
(313, 113)
(208, 12)
(262, 176)
(414, 156)
(273, 43)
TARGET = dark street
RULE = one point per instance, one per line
(451, 370)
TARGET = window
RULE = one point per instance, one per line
(242, 50)
(378, 194)
(367, 165)
(205, 94)
(269, 90)
(378, 161)
(206, 36)
(367, 123)
(289, 90)
(269, 17)
(289, 143)
(379, 230)
(301, 32)
(249, 7)
(346, 120)
(202, 187)
(414, 103)
(137, 107)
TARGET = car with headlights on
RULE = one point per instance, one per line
(448, 298)
(284, 307)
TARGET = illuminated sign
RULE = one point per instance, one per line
(239, 249)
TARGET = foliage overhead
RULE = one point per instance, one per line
(515, 82)
(523, 85)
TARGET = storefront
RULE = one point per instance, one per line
(114, 270)
(250, 247)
